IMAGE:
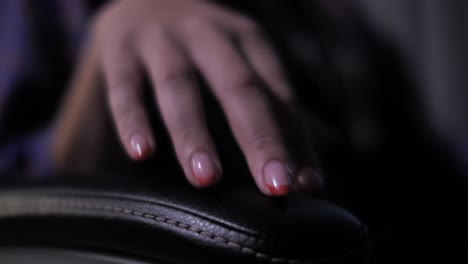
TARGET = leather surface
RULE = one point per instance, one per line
(24, 255)
(163, 220)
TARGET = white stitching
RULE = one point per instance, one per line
(241, 248)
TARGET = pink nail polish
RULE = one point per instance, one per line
(140, 146)
(204, 169)
(276, 178)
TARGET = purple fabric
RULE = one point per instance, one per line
(20, 59)
(15, 46)
(28, 155)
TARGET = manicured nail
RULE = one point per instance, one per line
(276, 178)
(141, 147)
(204, 169)
(310, 180)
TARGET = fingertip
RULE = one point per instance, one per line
(141, 147)
(205, 171)
(310, 180)
(277, 178)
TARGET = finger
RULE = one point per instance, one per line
(124, 88)
(307, 168)
(180, 104)
(264, 60)
(261, 55)
(247, 108)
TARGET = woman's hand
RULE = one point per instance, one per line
(171, 40)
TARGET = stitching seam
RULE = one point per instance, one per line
(157, 218)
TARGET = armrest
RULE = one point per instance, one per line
(165, 221)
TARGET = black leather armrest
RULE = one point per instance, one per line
(175, 223)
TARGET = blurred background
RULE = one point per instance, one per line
(387, 78)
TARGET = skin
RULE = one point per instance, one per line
(171, 40)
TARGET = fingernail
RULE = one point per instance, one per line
(204, 169)
(276, 178)
(310, 180)
(140, 146)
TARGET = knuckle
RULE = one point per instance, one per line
(111, 44)
(102, 24)
(153, 31)
(266, 143)
(123, 78)
(188, 135)
(196, 24)
(150, 36)
(242, 84)
(176, 79)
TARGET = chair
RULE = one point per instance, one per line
(106, 210)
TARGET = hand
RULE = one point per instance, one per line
(170, 40)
